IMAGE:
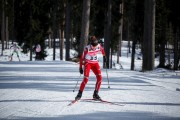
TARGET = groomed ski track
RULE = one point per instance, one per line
(42, 90)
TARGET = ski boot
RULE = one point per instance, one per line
(96, 96)
(78, 95)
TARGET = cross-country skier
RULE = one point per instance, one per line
(90, 61)
(15, 48)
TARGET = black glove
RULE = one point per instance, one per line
(81, 70)
(104, 58)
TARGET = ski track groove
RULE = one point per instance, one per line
(54, 106)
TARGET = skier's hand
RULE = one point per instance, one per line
(104, 58)
(81, 70)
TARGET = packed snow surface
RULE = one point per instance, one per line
(42, 90)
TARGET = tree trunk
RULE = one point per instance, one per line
(162, 49)
(3, 26)
(13, 19)
(54, 28)
(133, 54)
(149, 35)
(110, 60)
(61, 43)
(85, 25)
(176, 61)
(49, 41)
(31, 31)
(107, 35)
(7, 32)
(162, 38)
(128, 38)
(120, 32)
(62, 35)
(68, 29)
(31, 49)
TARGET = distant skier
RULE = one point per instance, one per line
(90, 61)
(15, 49)
(37, 50)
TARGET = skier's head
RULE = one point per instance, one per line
(94, 41)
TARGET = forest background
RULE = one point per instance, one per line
(151, 25)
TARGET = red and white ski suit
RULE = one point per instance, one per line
(90, 61)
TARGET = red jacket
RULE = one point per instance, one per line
(90, 54)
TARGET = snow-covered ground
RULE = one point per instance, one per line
(42, 90)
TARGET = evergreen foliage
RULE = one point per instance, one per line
(30, 21)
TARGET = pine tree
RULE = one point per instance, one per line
(85, 25)
(149, 35)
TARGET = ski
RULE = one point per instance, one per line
(73, 102)
(103, 101)
(112, 103)
(96, 100)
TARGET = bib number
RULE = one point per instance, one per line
(93, 58)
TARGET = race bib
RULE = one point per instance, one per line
(93, 58)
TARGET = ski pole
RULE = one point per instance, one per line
(107, 75)
(76, 83)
